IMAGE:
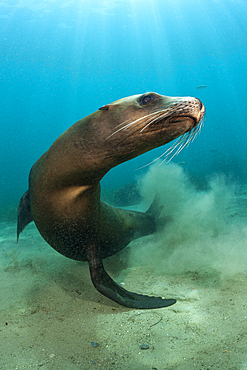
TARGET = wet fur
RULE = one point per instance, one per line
(64, 184)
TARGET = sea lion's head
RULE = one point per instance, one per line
(136, 124)
(123, 130)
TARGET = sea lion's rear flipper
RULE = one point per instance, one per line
(24, 213)
(106, 286)
(155, 211)
(155, 208)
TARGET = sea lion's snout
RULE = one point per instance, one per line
(189, 107)
(197, 111)
(201, 105)
(201, 110)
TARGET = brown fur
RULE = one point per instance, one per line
(64, 186)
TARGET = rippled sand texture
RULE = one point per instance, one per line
(50, 312)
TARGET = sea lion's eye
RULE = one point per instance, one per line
(146, 99)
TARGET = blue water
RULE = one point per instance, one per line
(62, 60)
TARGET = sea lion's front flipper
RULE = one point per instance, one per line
(24, 213)
(109, 288)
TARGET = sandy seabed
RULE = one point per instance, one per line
(50, 312)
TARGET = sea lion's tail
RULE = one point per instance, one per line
(24, 213)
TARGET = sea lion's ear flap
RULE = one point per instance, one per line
(105, 107)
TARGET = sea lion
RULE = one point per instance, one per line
(64, 184)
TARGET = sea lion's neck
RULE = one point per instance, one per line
(76, 155)
(85, 153)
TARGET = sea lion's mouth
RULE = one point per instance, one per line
(194, 125)
(192, 121)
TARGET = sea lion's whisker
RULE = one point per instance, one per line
(123, 123)
(132, 123)
(173, 151)
(184, 141)
(177, 144)
(158, 118)
(168, 110)
(129, 124)
(181, 143)
(197, 129)
(148, 164)
(168, 152)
